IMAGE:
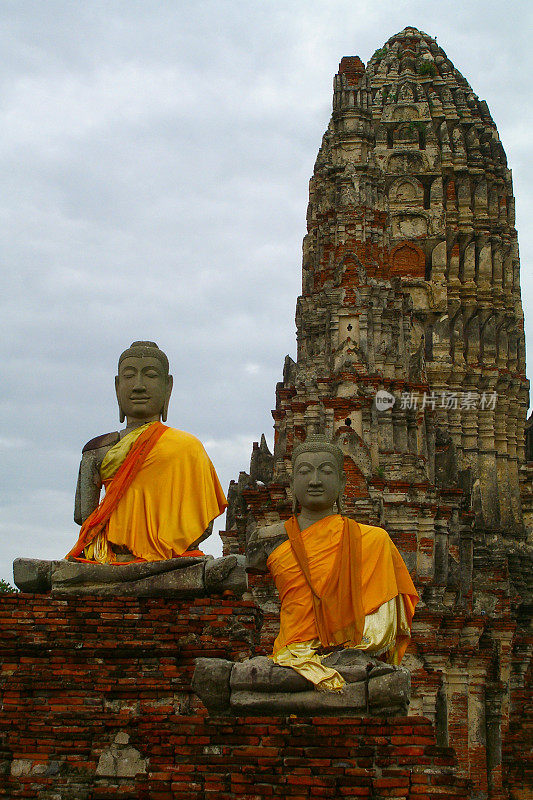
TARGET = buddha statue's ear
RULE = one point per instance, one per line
(164, 411)
(342, 487)
(121, 414)
(294, 500)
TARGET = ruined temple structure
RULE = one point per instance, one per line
(411, 286)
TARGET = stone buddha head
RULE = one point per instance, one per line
(143, 384)
(318, 479)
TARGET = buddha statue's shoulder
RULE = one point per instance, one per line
(373, 530)
(373, 537)
(261, 543)
(183, 440)
(105, 440)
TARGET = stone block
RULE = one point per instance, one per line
(226, 574)
(33, 574)
(389, 691)
(189, 576)
(380, 668)
(157, 579)
(78, 572)
(258, 686)
(354, 665)
(211, 682)
(21, 766)
(121, 760)
(353, 673)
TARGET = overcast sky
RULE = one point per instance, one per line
(154, 167)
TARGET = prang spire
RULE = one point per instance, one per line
(411, 291)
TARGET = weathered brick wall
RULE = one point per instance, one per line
(94, 690)
(75, 671)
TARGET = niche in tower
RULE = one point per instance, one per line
(408, 260)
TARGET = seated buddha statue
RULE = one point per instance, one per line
(341, 584)
(161, 489)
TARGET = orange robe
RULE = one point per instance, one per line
(353, 571)
(168, 503)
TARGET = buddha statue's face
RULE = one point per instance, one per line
(143, 387)
(317, 481)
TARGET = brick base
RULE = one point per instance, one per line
(77, 671)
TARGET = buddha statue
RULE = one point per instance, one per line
(341, 584)
(162, 491)
(347, 603)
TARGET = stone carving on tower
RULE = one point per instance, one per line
(410, 288)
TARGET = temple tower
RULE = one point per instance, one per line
(411, 355)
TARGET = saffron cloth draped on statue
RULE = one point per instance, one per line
(340, 583)
(161, 494)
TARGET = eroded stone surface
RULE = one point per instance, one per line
(391, 690)
(33, 574)
(186, 581)
(226, 574)
(354, 665)
(350, 701)
(262, 675)
(211, 682)
(120, 759)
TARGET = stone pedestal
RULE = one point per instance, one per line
(258, 686)
(184, 577)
